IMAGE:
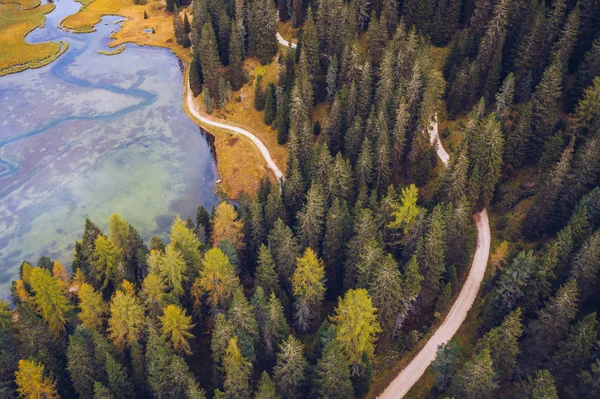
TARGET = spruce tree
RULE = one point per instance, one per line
(276, 328)
(118, 380)
(270, 104)
(332, 78)
(244, 323)
(311, 218)
(237, 372)
(445, 363)
(573, 352)
(289, 371)
(476, 379)
(545, 104)
(333, 374)
(209, 59)
(266, 386)
(236, 60)
(262, 27)
(386, 291)
(503, 344)
(544, 333)
(285, 249)
(80, 363)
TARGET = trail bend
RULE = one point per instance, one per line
(409, 376)
(191, 105)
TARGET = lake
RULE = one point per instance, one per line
(90, 135)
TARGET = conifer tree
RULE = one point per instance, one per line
(266, 386)
(386, 291)
(589, 387)
(364, 164)
(289, 371)
(503, 344)
(573, 352)
(196, 76)
(227, 226)
(244, 324)
(266, 275)
(270, 104)
(333, 374)
(587, 71)
(262, 26)
(382, 158)
(518, 138)
(93, 308)
(545, 104)
(332, 78)
(126, 322)
(285, 249)
(236, 60)
(282, 122)
(540, 387)
(209, 59)
(118, 380)
(32, 383)
(217, 280)
(172, 268)
(476, 379)
(237, 372)
(311, 218)
(412, 280)
(539, 215)
(310, 46)
(445, 363)
(276, 328)
(585, 266)
(101, 391)
(80, 363)
(176, 326)
(544, 333)
(105, 259)
(308, 285)
(356, 327)
(49, 300)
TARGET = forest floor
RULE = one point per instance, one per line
(17, 19)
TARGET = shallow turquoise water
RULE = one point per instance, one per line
(89, 135)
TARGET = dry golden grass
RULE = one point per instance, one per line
(287, 32)
(15, 24)
(132, 30)
(243, 114)
(240, 164)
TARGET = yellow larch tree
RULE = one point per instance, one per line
(356, 325)
(176, 326)
(127, 319)
(93, 308)
(31, 382)
(217, 280)
(226, 226)
(49, 300)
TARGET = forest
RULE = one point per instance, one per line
(315, 285)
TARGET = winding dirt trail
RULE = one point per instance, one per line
(191, 105)
(415, 369)
(284, 42)
(457, 314)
